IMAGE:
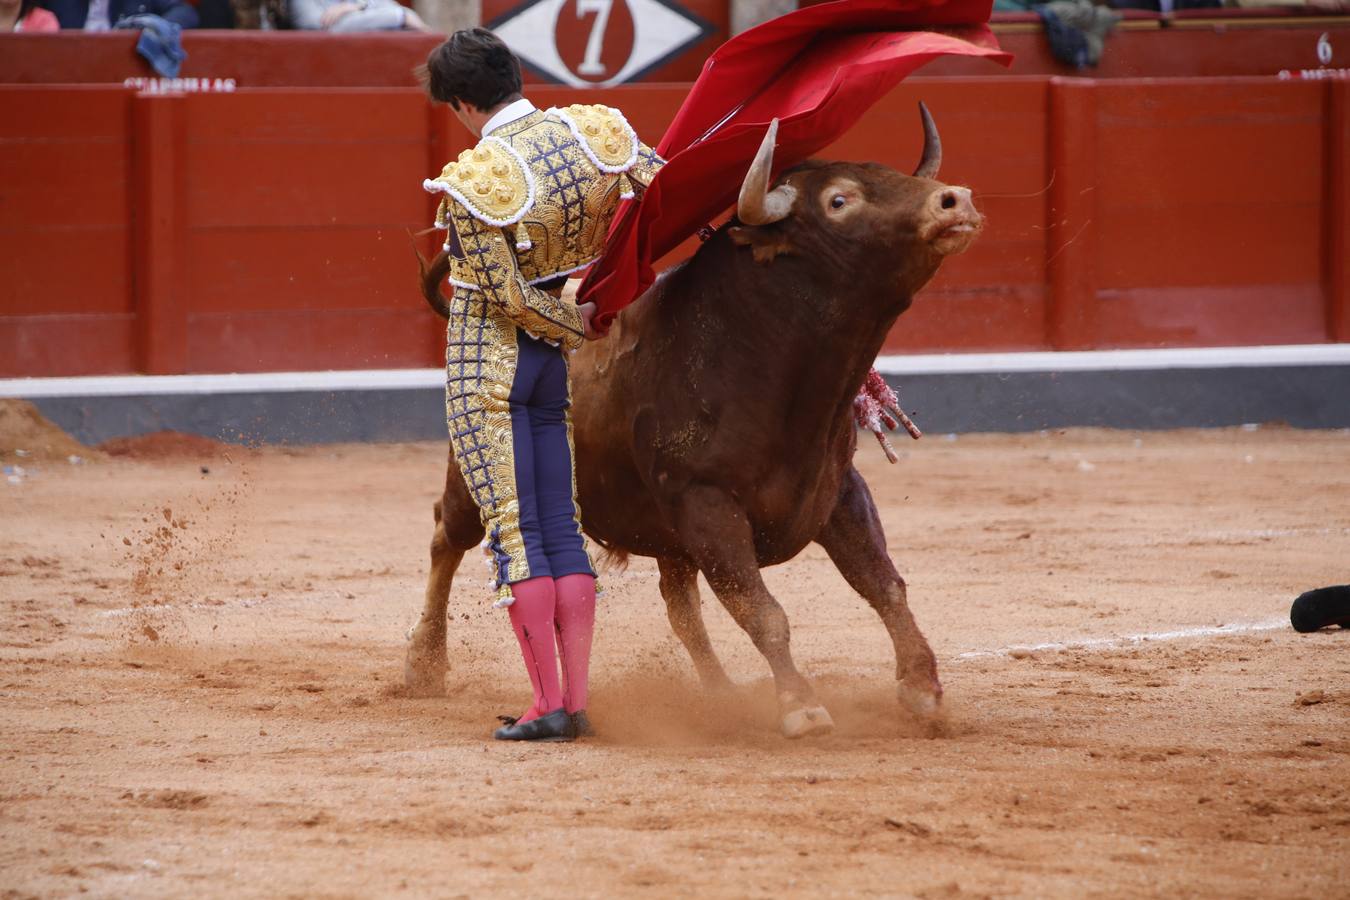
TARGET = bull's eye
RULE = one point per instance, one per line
(838, 201)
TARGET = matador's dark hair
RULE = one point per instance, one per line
(475, 66)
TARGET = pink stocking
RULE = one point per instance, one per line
(532, 619)
(575, 617)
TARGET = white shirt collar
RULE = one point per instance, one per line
(508, 114)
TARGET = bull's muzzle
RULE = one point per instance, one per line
(954, 222)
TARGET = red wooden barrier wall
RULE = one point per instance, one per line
(267, 229)
(1139, 48)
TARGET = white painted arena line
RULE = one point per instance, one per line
(1116, 360)
(243, 383)
(916, 364)
(1134, 640)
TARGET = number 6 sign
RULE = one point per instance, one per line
(599, 43)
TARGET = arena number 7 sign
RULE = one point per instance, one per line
(600, 43)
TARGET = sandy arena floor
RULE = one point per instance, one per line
(200, 690)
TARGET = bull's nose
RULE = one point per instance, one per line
(954, 201)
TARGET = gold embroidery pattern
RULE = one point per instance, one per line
(609, 140)
(480, 360)
(490, 180)
(491, 265)
(565, 229)
(529, 204)
(647, 165)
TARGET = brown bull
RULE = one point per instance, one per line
(714, 427)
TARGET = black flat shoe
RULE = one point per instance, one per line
(581, 725)
(1318, 609)
(555, 726)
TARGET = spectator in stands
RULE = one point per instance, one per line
(25, 15)
(354, 15)
(262, 15)
(102, 15)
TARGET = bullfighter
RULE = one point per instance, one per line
(524, 209)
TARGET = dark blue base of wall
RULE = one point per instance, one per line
(1314, 396)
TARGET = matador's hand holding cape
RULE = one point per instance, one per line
(817, 71)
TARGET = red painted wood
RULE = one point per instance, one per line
(996, 291)
(249, 58)
(306, 59)
(1209, 209)
(1072, 213)
(67, 344)
(1218, 206)
(445, 137)
(161, 307)
(389, 337)
(297, 209)
(64, 240)
(1337, 213)
(1195, 51)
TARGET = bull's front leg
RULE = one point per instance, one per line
(457, 530)
(717, 536)
(855, 542)
(679, 588)
(427, 661)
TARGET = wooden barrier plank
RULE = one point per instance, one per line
(281, 340)
(304, 185)
(1209, 204)
(57, 184)
(1218, 316)
(258, 269)
(67, 345)
(64, 271)
(1071, 214)
(303, 261)
(161, 308)
(275, 222)
(321, 59)
(997, 318)
(65, 298)
(1337, 214)
(994, 141)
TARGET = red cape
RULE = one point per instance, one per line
(817, 70)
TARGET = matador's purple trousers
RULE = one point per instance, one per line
(559, 597)
(548, 513)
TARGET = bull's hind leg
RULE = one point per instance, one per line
(855, 542)
(457, 529)
(679, 588)
(716, 534)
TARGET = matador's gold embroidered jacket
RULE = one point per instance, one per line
(528, 206)
(531, 204)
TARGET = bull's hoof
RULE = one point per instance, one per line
(922, 702)
(424, 682)
(426, 662)
(716, 683)
(424, 675)
(807, 721)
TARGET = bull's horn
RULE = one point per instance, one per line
(757, 204)
(932, 146)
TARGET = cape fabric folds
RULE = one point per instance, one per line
(817, 70)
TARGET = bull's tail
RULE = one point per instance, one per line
(612, 557)
(432, 275)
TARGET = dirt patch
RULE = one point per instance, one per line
(26, 436)
(165, 445)
(201, 690)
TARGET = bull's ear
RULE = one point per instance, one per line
(765, 242)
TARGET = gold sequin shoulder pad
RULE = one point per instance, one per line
(491, 181)
(604, 134)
